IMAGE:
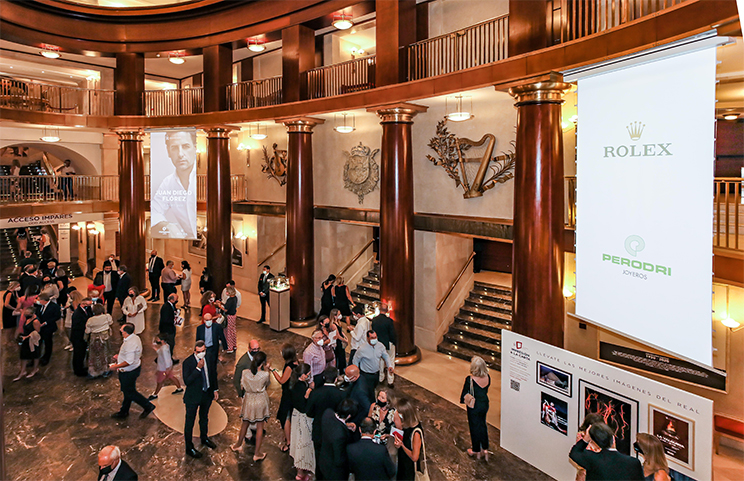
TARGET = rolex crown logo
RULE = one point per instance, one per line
(635, 129)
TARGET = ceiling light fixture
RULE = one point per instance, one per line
(50, 51)
(344, 123)
(459, 108)
(731, 116)
(256, 44)
(342, 21)
(50, 134)
(176, 58)
(259, 133)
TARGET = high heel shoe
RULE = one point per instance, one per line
(20, 376)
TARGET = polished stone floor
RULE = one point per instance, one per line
(55, 423)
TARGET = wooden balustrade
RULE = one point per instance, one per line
(27, 95)
(24, 189)
(173, 102)
(254, 93)
(483, 43)
(341, 78)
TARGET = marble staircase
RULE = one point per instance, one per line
(368, 289)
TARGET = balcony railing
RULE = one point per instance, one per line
(574, 19)
(254, 93)
(25, 189)
(24, 95)
(728, 211)
(483, 43)
(341, 78)
(173, 102)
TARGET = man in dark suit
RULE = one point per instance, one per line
(112, 468)
(369, 461)
(109, 280)
(385, 329)
(324, 397)
(77, 336)
(212, 334)
(48, 313)
(167, 325)
(122, 287)
(359, 391)
(200, 377)
(154, 267)
(263, 291)
(608, 464)
(337, 429)
(30, 278)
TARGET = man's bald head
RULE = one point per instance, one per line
(109, 456)
(207, 317)
(254, 346)
(352, 372)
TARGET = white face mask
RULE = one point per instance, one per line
(200, 355)
(208, 323)
(212, 299)
(373, 341)
(346, 378)
(319, 342)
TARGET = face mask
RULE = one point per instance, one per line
(38, 303)
(200, 355)
(94, 299)
(381, 404)
(319, 342)
(373, 341)
(208, 323)
(253, 353)
(105, 470)
(131, 294)
(212, 299)
(347, 378)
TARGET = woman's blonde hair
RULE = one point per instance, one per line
(231, 291)
(478, 367)
(340, 281)
(76, 297)
(407, 412)
(653, 453)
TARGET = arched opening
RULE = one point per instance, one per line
(38, 158)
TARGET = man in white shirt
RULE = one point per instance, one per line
(129, 366)
(66, 171)
(173, 205)
(238, 296)
(358, 335)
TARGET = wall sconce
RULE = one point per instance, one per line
(357, 51)
(344, 123)
(342, 21)
(201, 143)
(568, 293)
(50, 134)
(728, 321)
(75, 226)
(176, 58)
(50, 51)
(457, 108)
(257, 131)
(256, 44)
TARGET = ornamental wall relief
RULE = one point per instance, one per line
(361, 171)
(275, 165)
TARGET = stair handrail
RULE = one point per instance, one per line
(355, 258)
(454, 283)
(272, 254)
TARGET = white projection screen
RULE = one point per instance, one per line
(173, 184)
(645, 201)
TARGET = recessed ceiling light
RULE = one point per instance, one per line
(731, 116)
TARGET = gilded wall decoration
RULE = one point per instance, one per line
(361, 171)
(275, 165)
(471, 164)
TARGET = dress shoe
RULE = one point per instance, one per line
(261, 321)
(152, 396)
(193, 453)
(208, 443)
(120, 415)
(178, 391)
(147, 412)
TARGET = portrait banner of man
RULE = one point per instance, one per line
(173, 184)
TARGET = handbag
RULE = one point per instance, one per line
(422, 475)
(470, 396)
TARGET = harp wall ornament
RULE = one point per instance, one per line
(275, 165)
(361, 172)
(474, 173)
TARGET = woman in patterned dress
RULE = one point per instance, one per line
(255, 408)
(231, 312)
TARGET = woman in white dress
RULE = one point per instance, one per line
(134, 308)
(255, 408)
(186, 283)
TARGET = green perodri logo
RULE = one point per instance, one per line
(633, 245)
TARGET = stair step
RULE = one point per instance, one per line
(462, 331)
(371, 280)
(488, 306)
(368, 287)
(363, 298)
(487, 314)
(490, 296)
(485, 349)
(492, 288)
(479, 323)
(450, 349)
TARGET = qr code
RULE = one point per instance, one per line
(515, 385)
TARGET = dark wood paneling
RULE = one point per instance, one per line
(260, 208)
(129, 82)
(217, 76)
(728, 267)
(219, 218)
(399, 19)
(492, 255)
(528, 23)
(298, 56)
(132, 205)
(246, 69)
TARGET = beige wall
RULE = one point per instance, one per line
(449, 15)
(248, 162)
(268, 65)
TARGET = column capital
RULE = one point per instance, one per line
(218, 131)
(130, 134)
(401, 112)
(548, 88)
(300, 124)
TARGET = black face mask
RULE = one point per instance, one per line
(381, 404)
(131, 294)
(254, 352)
(105, 470)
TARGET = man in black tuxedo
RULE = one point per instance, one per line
(212, 334)
(154, 267)
(608, 464)
(200, 377)
(30, 278)
(359, 391)
(385, 329)
(77, 336)
(112, 468)
(336, 435)
(324, 397)
(109, 280)
(167, 326)
(263, 291)
(369, 461)
(48, 313)
(122, 287)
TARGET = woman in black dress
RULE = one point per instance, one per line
(63, 284)
(30, 326)
(326, 298)
(477, 385)
(333, 324)
(410, 448)
(342, 300)
(205, 281)
(10, 304)
(284, 414)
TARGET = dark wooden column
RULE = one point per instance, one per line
(537, 278)
(129, 82)
(396, 224)
(528, 26)
(219, 206)
(132, 205)
(300, 227)
(399, 19)
(217, 76)
(298, 56)
(246, 69)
